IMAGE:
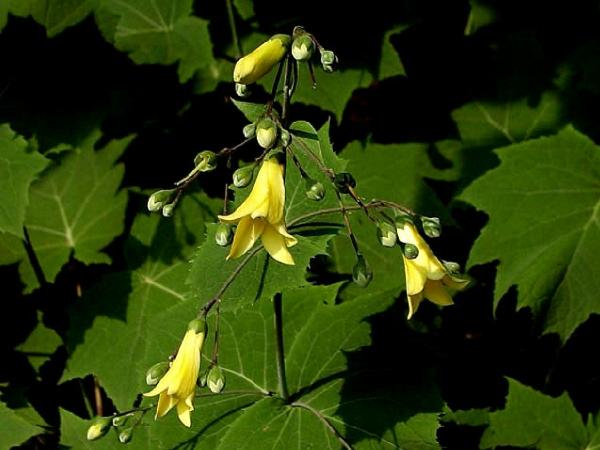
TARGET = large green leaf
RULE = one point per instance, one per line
(157, 32)
(543, 203)
(19, 166)
(40, 344)
(534, 419)
(75, 208)
(15, 430)
(54, 15)
(390, 64)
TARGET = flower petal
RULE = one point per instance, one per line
(413, 304)
(248, 230)
(414, 275)
(275, 245)
(165, 403)
(458, 284)
(183, 412)
(290, 240)
(437, 293)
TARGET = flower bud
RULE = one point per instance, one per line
(242, 177)
(261, 60)
(223, 234)
(328, 59)
(315, 191)
(205, 161)
(155, 373)
(431, 226)
(452, 267)
(343, 181)
(160, 198)
(99, 428)
(242, 90)
(266, 133)
(201, 381)
(361, 273)
(401, 219)
(215, 380)
(249, 130)
(125, 435)
(119, 421)
(168, 210)
(387, 233)
(198, 325)
(285, 137)
(410, 251)
(303, 47)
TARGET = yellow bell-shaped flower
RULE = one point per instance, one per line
(178, 386)
(261, 215)
(426, 277)
(261, 60)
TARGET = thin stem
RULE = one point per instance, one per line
(325, 422)
(215, 352)
(286, 90)
(98, 398)
(33, 259)
(234, 35)
(237, 392)
(347, 222)
(281, 378)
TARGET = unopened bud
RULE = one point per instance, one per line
(315, 191)
(119, 421)
(249, 130)
(266, 133)
(205, 161)
(201, 381)
(361, 273)
(125, 435)
(98, 428)
(242, 90)
(452, 267)
(160, 198)
(198, 326)
(410, 251)
(343, 181)
(402, 219)
(215, 380)
(303, 47)
(431, 226)
(169, 209)
(285, 137)
(387, 234)
(223, 234)
(243, 176)
(328, 59)
(155, 373)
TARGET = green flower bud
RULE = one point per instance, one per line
(119, 421)
(125, 435)
(99, 428)
(201, 381)
(160, 198)
(431, 226)
(315, 191)
(242, 90)
(343, 181)
(387, 233)
(242, 177)
(266, 133)
(249, 130)
(198, 325)
(328, 59)
(452, 267)
(410, 251)
(285, 137)
(215, 379)
(205, 161)
(361, 273)
(168, 210)
(223, 234)
(401, 219)
(155, 373)
(303, 47)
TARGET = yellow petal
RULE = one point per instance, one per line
(290, 240)
(276, 192)
(275, 245)
(165, 403)
(414, 275)
(183, 412)
(413, 304)
(247, 232)
(260, 61)
(437, 293)
(458, 284)
(425, 260)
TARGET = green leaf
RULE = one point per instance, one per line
(390, 64)
(19, 166)
(543, 206)
(54, 15)
(531, 418)
(160, 249)
(15, 430)
(245, 8)
(251, 111)
(158, 33)
(480, 15)
(40, 344)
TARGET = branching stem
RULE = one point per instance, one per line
(281, 378)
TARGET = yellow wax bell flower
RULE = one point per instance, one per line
(178, 386)
(261, 60)
(426, 277)
(261, 215)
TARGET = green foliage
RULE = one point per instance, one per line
(40, 344)
(542, 202)
(15, 430)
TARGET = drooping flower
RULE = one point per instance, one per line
(261, 60)
(178, 386)
(261, 215)
(426, 277)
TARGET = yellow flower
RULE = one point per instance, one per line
(261, 215)
(178, 386)
(261, 60)
(426, 277)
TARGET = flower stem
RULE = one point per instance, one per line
(234, 36)
(283, 389)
